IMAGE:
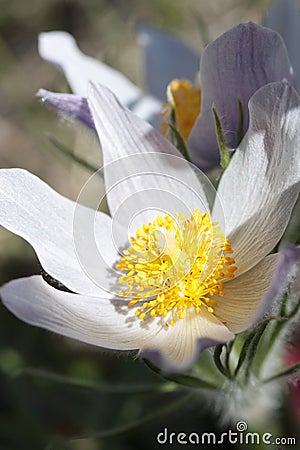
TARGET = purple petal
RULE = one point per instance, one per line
(233, 67)
(288, 258)
(69, 104)
(166, 58)
(158, 358)
(284, 17)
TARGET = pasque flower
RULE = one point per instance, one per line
(206, 281)
(165, 58)
(232, 68)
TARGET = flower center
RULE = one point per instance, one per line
(174, 264)
(184, 98)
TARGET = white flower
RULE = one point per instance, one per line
(258, 191)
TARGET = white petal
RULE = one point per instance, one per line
(34, 211)
(177, 348)
(93, 320)
(60, 48)
(245, 299)
(142, 159)
(261, 184)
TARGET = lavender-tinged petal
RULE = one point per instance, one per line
(176, 349)
(165, 58)
(283, 17)
(288, 260)
(233, 67)
(69, 104)
(60, 48)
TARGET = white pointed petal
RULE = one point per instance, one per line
(142, 159)
(176, 348)
(34, 211)
(60, 48)
(93, 320)
(261, 184)
(245, 299)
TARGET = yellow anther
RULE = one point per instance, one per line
(184, 275)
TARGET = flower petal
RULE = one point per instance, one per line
(60, 48)
(165, 58)
(94, 320)
(283, 16)
(232, 68)
(70, 104)
(34, 211)
(261, 184)
(248, 296)
(287, 271)
(141, 167)
(176, 348)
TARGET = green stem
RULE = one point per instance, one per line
(117, 431)
(103, 388)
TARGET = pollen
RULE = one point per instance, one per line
(184, 98)
(175, 264)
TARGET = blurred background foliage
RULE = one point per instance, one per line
(34, 408)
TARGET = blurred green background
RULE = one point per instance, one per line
(33, 407)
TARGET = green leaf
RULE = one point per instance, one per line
(218, 362)
(244, 352)
(182, 379)
(290, 371)
(223, 149)
(179, 143)
(117, 431)
(106, 388)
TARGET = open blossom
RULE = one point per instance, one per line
(185, 281)
(233, 67)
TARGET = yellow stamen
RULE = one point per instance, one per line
(183, 270)
(185, 99)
